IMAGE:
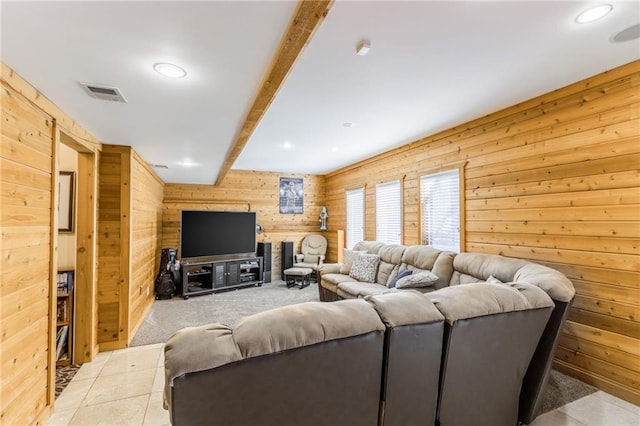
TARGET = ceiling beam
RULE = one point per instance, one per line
(307, 18)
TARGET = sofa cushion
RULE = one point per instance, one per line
(347, 260)
(331, 281)
(421, 257)
(475, 300)
(390, 259)
(426, 258)
(405, 308)
(365, 267)
(401, 274)
(481, 266)
(353, 289)
(314, 322)
(420, 279)
(372, 247)
(443, 268)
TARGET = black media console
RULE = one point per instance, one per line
(209, 276)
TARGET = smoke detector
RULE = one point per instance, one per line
(363, 47)
(105, 93)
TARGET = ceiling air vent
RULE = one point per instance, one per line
(158, 166)
(105, 93)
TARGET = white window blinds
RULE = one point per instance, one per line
(355, 216)
(440, 199)
(389, 213)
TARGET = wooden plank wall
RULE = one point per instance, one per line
(113, 273)
(553, 180)
(26, 180)
(247, 191)
(147, 194)
(30, 128)
(129, 226)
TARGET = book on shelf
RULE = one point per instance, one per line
(62, 311)
(65, 282)
(61, 342)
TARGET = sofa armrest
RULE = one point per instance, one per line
(329, 268)
(195, 349)
(299, 258)
(321, 260)
(556, 284)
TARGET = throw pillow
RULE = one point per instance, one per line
(493, 280)
(421, 279)
(347, 260)
(364, 267)
(401, 274)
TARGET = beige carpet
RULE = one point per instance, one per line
(168, 316)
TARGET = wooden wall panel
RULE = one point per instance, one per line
(112, 273)
(248, 191)
(553, 180)
(26, 164)
(30, 134)
(146, 209)
(130, 224)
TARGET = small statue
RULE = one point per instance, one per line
(323, 219)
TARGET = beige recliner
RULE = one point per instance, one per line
(313, 249)
(490, 336)
(312, 364)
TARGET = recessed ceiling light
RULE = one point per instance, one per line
(335, 149)
(188, 163)
(594, 13)
(169, 70)
(287, 145)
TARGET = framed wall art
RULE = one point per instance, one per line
(291, 195)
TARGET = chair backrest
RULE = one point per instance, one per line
(313, 363)
(313, 245)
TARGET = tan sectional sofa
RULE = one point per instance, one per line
(454, 270)
(390, 359)
(335, 283)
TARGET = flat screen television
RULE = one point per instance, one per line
(210, 233)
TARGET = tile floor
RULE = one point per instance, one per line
(124, 387)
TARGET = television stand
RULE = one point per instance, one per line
(210, 276)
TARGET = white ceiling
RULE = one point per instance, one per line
(432, 65)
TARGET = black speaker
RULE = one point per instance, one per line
(264, 250)
(286, 256)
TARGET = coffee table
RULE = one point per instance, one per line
(298, 277)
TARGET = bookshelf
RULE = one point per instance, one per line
(64, 317)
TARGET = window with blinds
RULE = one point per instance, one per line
(389, 212)
(440, 200)
(355, 217)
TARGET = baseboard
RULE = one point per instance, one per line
(602, 383)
